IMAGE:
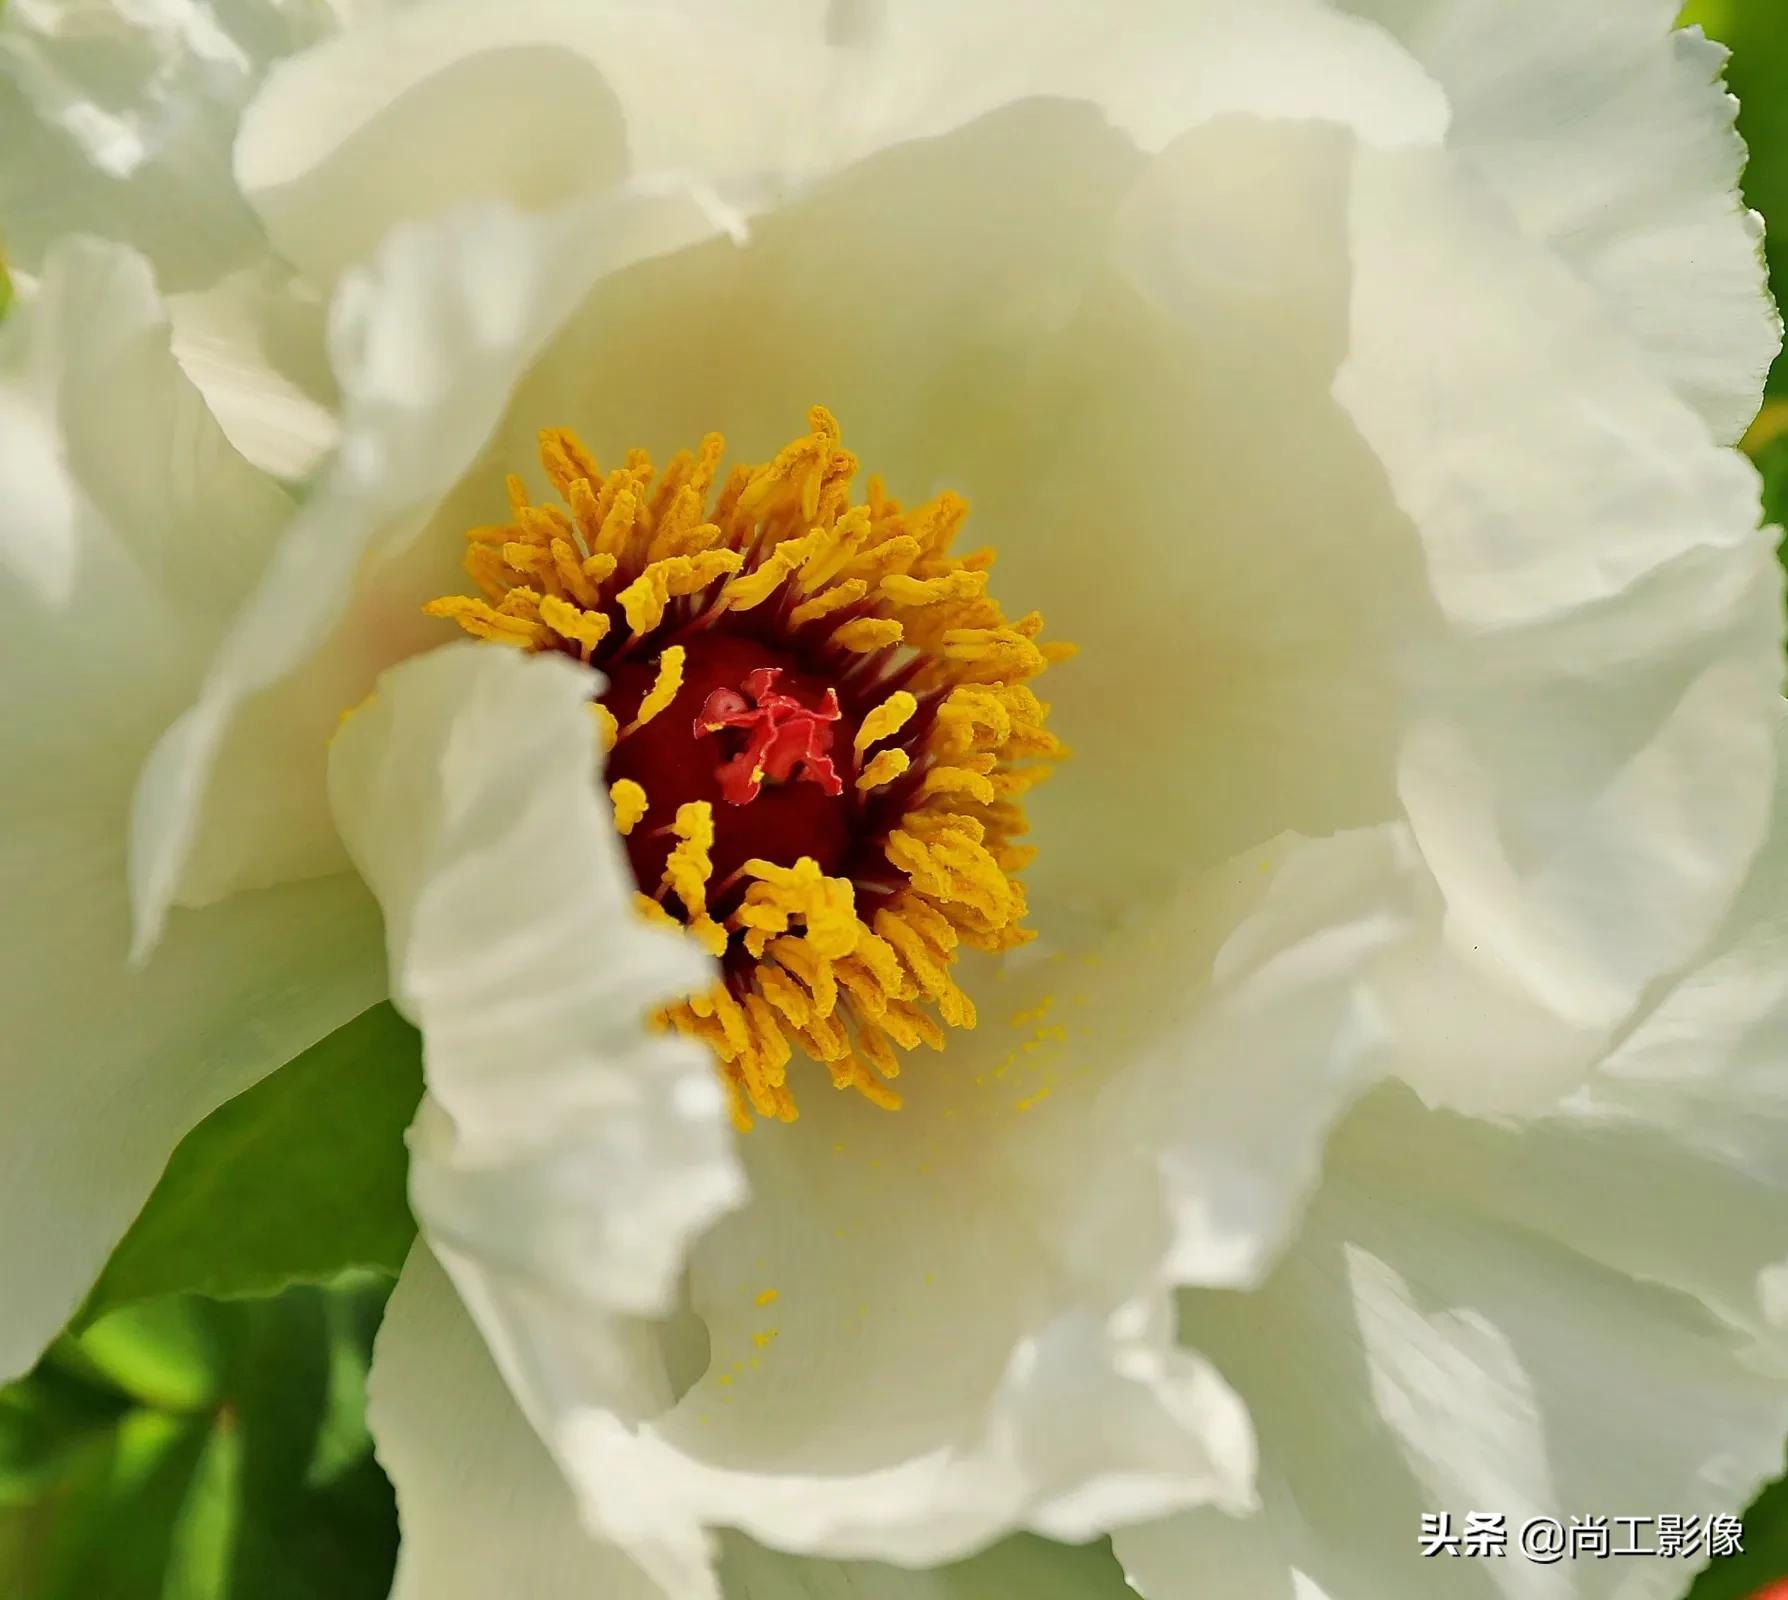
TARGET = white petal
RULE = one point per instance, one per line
(565, 1142)
(120, 118)
(1412, 1354)
(1612, 140)
(485, 1512)
(425, 348)
(565, 1155)
(416, 110)
(1155, 67)
(131, 527)
(968, 308)
(1589, 744)
(483, 1509)
(926, 1329)
(534, 103)
(1001, 346)
(254, 344)
(1670, 1164)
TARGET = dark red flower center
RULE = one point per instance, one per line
(751, 730)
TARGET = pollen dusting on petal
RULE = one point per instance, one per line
(818, 725)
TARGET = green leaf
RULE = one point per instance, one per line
(1772, 463)
(1765, 1556)
(113, 1525)
(265, 1490)
(164, 1353)
(1757, 33)
(45, 1420)
(294, 1181)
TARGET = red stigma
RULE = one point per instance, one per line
(785, 740)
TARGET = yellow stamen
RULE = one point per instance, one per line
(687, 871)
(867, 633)
(630, 804)
(806, 972)
(645, 598)
(586, 629)
(607, 729)
(886, 720)
(825, 603)
(885, 768)
(664, 689)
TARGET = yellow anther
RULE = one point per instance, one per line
(825, 905)
(867, 633)
(586, 629)
(813, 970)
(886, 720)
(709, 934)
(687, 871)
(994, 653)
(573, 579)
(951, 586)
(834, 549)
(921, 961)
(653, 912)
(617, 517)
(566, 460)
(787, 996)
(664, 689)
(755, 587)
(956, 780)
(885, 768)
(645, 598)
(484, 621)
(585, 511)
(827, 601)
(892, 555)
(607, 729)
(630, 805)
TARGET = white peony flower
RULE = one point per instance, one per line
(1349, 384)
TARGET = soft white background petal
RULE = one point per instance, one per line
(1612, 140)
(1589, 748)
(1414, 1353)
(132, 530)
(119, 122)
(120, 117)
(534, 104)
(1155, 67)
(1670, 1163)
(425, 345)
(376, 125)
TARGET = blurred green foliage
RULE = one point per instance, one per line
(192, 1449)
(1756, 31)
(175, 1446)
(295, 1181)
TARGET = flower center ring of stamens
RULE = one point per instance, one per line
(818, 725)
